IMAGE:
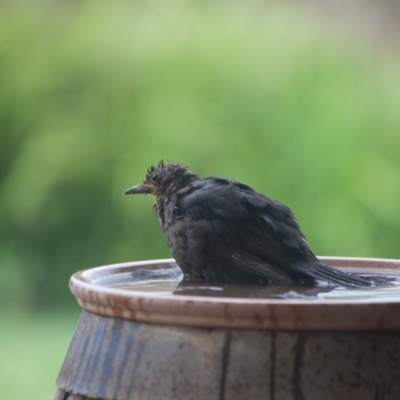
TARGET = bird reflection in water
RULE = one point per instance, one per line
(261, 291)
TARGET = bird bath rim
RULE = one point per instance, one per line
(382, 314)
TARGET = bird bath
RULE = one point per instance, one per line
(172, 341)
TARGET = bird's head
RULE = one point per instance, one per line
(163, 178)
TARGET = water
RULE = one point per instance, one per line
(167, 282)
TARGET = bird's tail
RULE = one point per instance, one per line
(321, 272)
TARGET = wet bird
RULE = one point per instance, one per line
(220, 230)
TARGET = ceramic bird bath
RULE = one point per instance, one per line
(135, 344)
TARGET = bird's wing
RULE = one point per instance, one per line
(229, 222)
(242, 212)
(281, 223)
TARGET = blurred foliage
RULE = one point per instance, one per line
(92, 93)
(33, 347)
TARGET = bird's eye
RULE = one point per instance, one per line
(155, 177)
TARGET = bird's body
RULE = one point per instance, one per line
(221, 230)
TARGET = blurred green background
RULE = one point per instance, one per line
(303, 108)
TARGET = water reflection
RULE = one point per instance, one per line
(250, 291)
(170, 282)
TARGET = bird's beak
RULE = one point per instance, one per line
(142, 188)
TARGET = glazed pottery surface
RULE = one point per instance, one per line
(293, 314)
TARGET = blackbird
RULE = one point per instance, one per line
(220, 230)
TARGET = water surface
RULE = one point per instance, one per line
(167, 282)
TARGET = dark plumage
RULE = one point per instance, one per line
(223, 231)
